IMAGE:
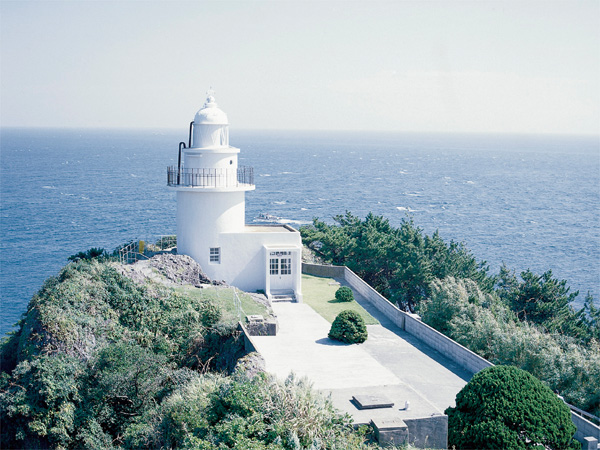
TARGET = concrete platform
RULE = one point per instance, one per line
(302, 346)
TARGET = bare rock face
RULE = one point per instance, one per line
(168, 269)
(250, 365)
(179, 269)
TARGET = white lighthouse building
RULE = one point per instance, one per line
(211, 207)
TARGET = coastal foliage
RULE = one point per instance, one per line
(349, 327)
(399, 262)
(504, 407)
(101, 361)
(484, 324)
(344, 294)
(92, 253)
(526, 321)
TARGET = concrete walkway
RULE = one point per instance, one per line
(302, 346)
(391, 363)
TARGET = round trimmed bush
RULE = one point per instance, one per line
(349, 327)
(344, 294)
(504, 407)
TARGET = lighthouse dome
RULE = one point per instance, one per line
(210, 114)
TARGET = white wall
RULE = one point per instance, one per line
(223, 158)
(202, 217)
(244, 259)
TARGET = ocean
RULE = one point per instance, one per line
(526, 201)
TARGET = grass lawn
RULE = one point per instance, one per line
(319, 294)
(225, 299)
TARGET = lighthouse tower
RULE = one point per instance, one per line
(210, 188)
(211, 227)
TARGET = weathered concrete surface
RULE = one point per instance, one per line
(302, 346)
(391, 432)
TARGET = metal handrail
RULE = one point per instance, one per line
(210, 178)
(592, 418)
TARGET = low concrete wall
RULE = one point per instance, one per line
(320, 270)
(375, 298)
(446, 346)
(585, 428)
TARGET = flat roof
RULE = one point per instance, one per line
(269, 229)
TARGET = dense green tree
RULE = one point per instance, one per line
(545, 301)
(589, 317)
(506, 408)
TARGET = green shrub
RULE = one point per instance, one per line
(92, 253)
(504, 407)
(344, 294)
(211, 314)
(349, 327)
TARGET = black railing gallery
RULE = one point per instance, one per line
(210, 178)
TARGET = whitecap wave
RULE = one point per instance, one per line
(295, 222)
(406, 208)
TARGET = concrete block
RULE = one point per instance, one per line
(372, 401)
(428, 432)
(590, 443)
(262, 327)
(390, 432)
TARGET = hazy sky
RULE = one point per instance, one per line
(523, 66)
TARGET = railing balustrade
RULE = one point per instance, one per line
(210, 178)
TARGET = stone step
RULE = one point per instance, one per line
(283, 298)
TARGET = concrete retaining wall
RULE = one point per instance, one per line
(249, 346)
(320, 270)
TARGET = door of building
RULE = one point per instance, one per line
(280, 270)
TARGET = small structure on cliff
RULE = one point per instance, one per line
(211, 207)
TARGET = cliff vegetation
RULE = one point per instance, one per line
(111, 357)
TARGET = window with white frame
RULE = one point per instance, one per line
(286, 266)
(215, 255)
(274, 266)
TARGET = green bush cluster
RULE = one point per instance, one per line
(504, 407)
(349, 327)
(483, 323)
(344, 294)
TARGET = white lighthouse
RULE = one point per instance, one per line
(211, 210)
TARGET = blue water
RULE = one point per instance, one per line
(531, 202)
